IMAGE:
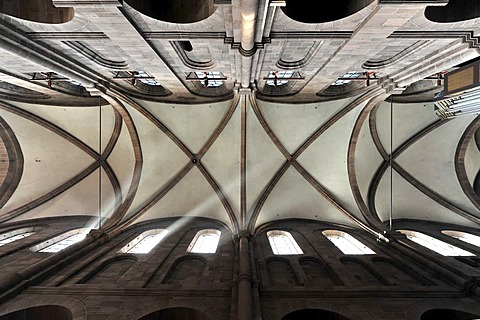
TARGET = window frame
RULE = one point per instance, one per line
(353, 246)
(57, 239)
(463, 236)
(290, 244)
(213, 78)
(144, 235)
(344, 79)
(200, 234)
(283, 76)
(13, 233)
(432, 243)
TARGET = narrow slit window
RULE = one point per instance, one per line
(14, 236)
(283, 243)
(205, 241)
(436, 245)
(346, 243)
(463, 236)
(63, 241)
(145, 242)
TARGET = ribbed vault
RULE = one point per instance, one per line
(246, 162)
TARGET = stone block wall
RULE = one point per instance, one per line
(106, 283)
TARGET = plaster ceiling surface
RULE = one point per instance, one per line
(107, 144)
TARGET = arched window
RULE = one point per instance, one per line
(145, 241)
(282, 242)
(346, 243)
(15, 235)
(210, 79)
(436, 245)
(346, 78)
(278, 78)
(147, 79)
(135, 77)
(205, 241)
(62, 241)
(465, 237)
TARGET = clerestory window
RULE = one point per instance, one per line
(147, 79)
(463, 236)
(145, 242)
(210, 79)
(346, 78)
(282, 243)
(346, 243)
(436, 245)
(15, 235)
(278, 78)
(205, 241)
(136, 77)
(62, 241)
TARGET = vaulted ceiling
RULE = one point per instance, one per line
(105, 112)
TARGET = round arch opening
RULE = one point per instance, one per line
(314, 314)
(40, 313)
(454, 11)
(175, 314)
(448, 314)
(301, 10)
(175, 11)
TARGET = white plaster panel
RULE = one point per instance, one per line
(49, 160)
(192, 124)
(408, 119)
(81, 122)
(162, 159)
(409, 203)
(326, 160)
(80, 199)
(294, 197)
(263, 159)
(222, 160)
(431, 161)
(294, 123)
(191, 197)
